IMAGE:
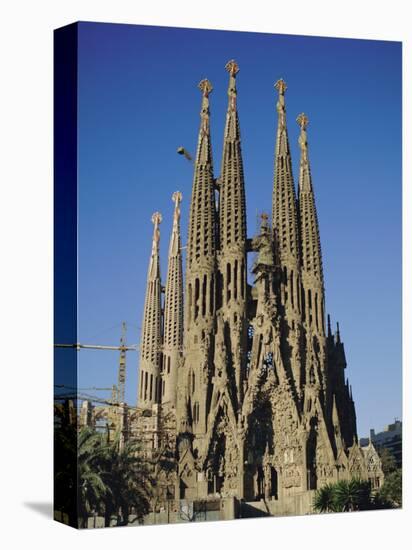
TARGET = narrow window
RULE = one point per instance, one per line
(204, 287)
(212, 281)
(228, 281)
(197, 289)
(303, 305)
(235, 279)
(190, 302)
(242, 286)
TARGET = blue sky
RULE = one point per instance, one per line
(139, 101)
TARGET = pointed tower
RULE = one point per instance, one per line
(151, 336)
(173, 312)
(232, 239)
(312, 271)
(338, 387)
(286, 233)
(199, 317)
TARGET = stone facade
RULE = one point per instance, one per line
(252, 379)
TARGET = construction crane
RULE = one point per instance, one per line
(118, 395)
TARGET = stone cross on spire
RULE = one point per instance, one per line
(232, 68)
(264, 217)
(204, 150)
(177, 199)
(156, 220)
(303, 122)
(206, 87)
(281, 87)
(175, 239)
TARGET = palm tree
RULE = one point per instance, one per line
(65, 459)
(324, 500)
(352, 494)
(91, 488)
(128, 481)
(347, 496)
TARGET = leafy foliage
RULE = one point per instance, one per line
(128, 481)
(325, 499)
(391, 490)
(91, 488)
(110, 479)
(65, 460)
(388, 461)
(348, 496)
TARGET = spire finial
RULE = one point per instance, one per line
(232, 67)
(206, 86)
(303, 121)
(156, 220)
(264, 224)
(177, 199)
(264, 217)
(337, 333)
(329, 326)
(281, 86)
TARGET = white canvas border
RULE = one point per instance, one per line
(26, 273)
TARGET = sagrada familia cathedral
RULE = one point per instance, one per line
(243, 380)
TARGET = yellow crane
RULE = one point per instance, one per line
(123, 348)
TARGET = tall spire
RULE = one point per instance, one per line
(232, 206)
(173, 312)
(312, 271)
(286, 234)
(200, 303)
(232, 225)
(151, 336)
(338, 341)
(201, 245)
(284, 211)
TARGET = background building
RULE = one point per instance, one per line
(389, 438)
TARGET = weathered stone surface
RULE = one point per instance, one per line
(253, 399)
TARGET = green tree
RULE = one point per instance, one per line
(324, 500)
(349, 496)
(65, 459)
(388, 461)
(391, 490)
(91, 487)
(128, 480)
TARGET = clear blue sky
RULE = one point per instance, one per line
(138, 101)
